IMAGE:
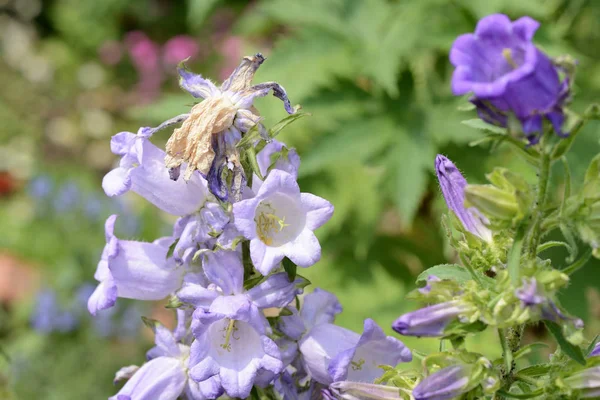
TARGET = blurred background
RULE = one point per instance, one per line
(373, 73)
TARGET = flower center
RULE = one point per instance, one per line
(268, 223)
(279, 219)
(228, 333)
(508, 56)
(357, 365)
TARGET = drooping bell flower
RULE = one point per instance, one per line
(331, 353)
(509, 75)
(141, 170)
(133, 270)
(453, 185)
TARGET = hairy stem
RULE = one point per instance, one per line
(534, 233)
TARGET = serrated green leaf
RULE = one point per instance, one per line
(484, 126)
(574, 352)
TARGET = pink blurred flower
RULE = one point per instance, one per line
(143, 51)
(179, 48)
(231, 50)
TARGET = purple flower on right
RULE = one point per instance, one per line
(508, 74)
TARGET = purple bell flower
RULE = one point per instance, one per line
(142, 171)
(508, 74)
(226, 295)
(331, 353)
(165, 375)
(453, 185)
(279, 222)
(444, 384)
(430, 321)
(528, 293)
(133, 270)
(232, 351)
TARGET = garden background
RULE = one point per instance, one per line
(374, 74)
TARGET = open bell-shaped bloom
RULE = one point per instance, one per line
(226, 294)
(142, 171)
(279, 222)
(165, 375)
(133, 270)
(508, 74)
(233, 351)
(453, 185)
(331, 353)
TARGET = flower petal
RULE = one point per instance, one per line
(162, 378)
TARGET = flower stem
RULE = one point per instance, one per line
(540, 201)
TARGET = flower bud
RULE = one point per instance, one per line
(346, 390)
(430, 321)
(446, 383)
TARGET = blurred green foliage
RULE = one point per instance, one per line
(375, 76)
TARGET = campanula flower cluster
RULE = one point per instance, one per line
(229, 267)
(246, 329)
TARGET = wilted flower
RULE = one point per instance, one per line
(430, 321)
(453, 185)
(507, 74)
(207, 138)
(279, 222)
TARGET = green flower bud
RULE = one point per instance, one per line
(492, 201)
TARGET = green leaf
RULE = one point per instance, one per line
(590, 348)
(484, 126)
(253, 281)
(274, 131)
(528, 349)
(172, 248)
(290, 268)
(249, 138)
(453, 272)
(535, 370)
(410, 166)
(150, 323)
(569, 349)
(531, 395)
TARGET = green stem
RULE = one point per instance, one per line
(540, 201)
(571, 269)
